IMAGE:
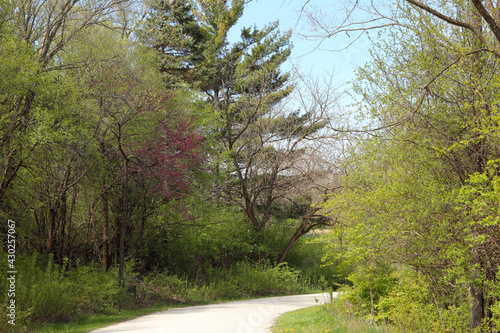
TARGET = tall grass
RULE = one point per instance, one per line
(241, 280)
(47, 293)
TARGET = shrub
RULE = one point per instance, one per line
(47, 293)
(403, 299)
(308, 256)
(411, 305)
(241, 280)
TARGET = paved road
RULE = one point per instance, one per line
(249, 316)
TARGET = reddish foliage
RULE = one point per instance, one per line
(164, 158)
(170, 158)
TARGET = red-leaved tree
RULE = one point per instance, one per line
(143, 139)
(169, 158)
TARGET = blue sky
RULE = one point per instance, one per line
(318, 60)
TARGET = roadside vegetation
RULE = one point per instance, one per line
(77, 299)
(148, 159)
(326, 318)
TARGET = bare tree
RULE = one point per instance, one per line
(50, 25)
(289, 156)
(362, 16)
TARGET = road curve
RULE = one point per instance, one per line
(248, 316)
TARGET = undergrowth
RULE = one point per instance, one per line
(50, 293)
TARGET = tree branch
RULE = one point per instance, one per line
(488, 18)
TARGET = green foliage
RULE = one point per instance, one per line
(205, 235)
(405, 300)
(173, 31)
(478, 199)
(47, 293)
(262, 279)
(412, 305)
(322, 319)
(371, 284)
(308, 256)
(241, 280)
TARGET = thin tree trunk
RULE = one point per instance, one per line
(476, 293)
(303, 229)
(11, 167)
(124, 212)
(62, 227)
(94, 233)
(299, 233)
(67, 234)
(476, 306)
(50, 232)
(105, 217)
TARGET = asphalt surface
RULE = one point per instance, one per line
(248, 316)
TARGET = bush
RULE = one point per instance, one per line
(163, 288)
(370, 284)
(403, 299)
(308, 254)
(411, 305)
(241, 280)
(47, 293)
(216, 237)
(264, 279)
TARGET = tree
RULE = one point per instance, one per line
(162, 154)
(173, 30)
(432, 90)
(262, 146)
(42, 29)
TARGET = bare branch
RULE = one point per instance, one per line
(488, 18)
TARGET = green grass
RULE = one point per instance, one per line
(320, 319)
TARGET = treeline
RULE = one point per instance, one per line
(138, 138)
(419, 206)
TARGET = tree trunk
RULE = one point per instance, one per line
(123, 227)
(9, 174)
(303, 229)
(299, 233)
(476, 306)
(105, 217)
(62, 229)
(50, 231)
(92, 227)
(67, 234)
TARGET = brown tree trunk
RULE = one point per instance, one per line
(67, 234)
(476, 306)
(93, 231)
(105, 217)
(50, 231)
(303, 229)
(123, 227)
(62, 228)
(9, 174)
(299, 233)
(11, 167)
